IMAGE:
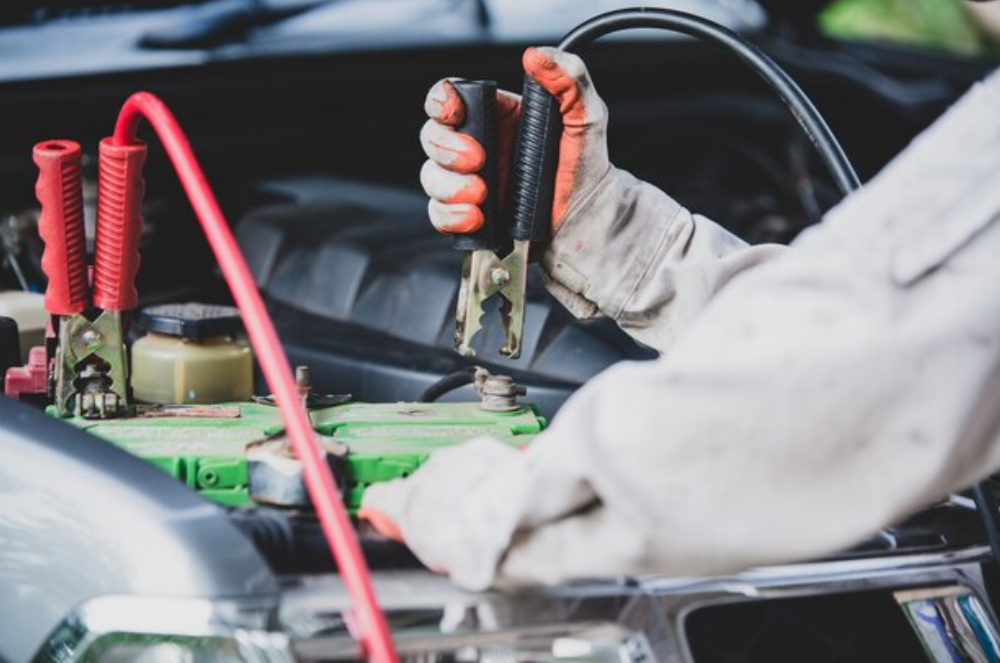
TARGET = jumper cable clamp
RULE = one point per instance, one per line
(518, 235)
(90, 372)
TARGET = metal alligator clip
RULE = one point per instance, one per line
(90, 372)
(527, 227)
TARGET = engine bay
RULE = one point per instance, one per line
(320, 189)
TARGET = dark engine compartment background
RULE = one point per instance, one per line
(316, 161)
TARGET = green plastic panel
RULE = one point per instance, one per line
(385, 441)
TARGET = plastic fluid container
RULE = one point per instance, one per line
(191, 354)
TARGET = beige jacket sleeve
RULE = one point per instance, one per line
(643, 260)
(815, 398)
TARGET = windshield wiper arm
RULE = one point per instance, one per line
(218, 21)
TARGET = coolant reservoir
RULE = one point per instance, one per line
(191, 355)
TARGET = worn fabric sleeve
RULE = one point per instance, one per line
(632, 253)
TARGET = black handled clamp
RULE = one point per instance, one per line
(529, 222)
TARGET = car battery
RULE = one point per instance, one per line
(204, 446)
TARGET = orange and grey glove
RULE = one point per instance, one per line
(449, 175)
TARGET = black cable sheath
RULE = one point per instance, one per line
(780, 82)
(447, 384)
(293, 542)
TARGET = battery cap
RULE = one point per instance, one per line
(191, 320)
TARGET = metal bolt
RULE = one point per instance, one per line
(498, 392)
(109, 404)
(500, 277)
(303, 380)
(85, 404)
(91, 338)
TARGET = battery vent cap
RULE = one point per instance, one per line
(191, 320)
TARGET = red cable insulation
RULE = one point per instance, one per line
(374, 631)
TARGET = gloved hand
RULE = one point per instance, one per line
(460, 511)
(620, 247)
(449, 176)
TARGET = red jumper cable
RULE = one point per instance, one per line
(372, 629)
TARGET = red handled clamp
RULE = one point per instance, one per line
(91, 371)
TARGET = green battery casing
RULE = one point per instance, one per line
(385, 441)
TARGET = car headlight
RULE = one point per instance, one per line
(132, 629)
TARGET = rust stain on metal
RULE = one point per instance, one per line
(188, 411)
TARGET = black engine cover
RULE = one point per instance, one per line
(364, 291)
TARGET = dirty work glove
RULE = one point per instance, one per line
(449, 176)
(620, 247)
(459, 512)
